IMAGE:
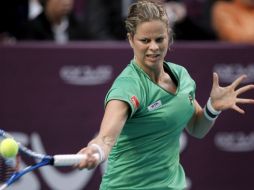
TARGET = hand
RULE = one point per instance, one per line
(223, 98)
(91, 161)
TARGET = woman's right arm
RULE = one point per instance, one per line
(115, 116)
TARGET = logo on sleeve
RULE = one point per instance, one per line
(135, 102)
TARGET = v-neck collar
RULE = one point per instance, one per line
(168, 70)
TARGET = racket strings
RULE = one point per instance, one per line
(7, 168)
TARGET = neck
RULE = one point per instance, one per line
(156, 76)
(155, 73)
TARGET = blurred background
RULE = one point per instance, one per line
(58, 58)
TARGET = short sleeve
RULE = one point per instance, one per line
(190, 82)
(128, 90)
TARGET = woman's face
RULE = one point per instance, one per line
(150, 44)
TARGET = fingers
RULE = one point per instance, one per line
(215, 80)
(244, 89)
(90, 161)
(227, 96)
(238, 109)
(238, 81)
(244, 101)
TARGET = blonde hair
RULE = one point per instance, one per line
(145, 11)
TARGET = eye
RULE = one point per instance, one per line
(159, 40)
(145, 41)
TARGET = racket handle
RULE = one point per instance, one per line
(4, 186)
(70, 159)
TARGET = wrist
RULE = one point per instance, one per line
(209, 111)
(100, 151)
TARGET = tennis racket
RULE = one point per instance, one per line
(10, 171)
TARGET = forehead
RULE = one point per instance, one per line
(154, 27)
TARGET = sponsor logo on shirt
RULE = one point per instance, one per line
(154, 105)
(135, 102)
(191, 98)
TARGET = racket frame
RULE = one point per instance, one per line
(42, 160)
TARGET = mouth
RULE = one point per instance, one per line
(153, 57)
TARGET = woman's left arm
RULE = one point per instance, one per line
(221, 98)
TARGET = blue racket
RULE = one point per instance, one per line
(10, 171)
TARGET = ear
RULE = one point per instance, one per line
(130, 38)
(171, 38)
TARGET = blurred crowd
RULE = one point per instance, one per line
(69, 20)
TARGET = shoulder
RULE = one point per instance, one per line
(176, 68)
(129, 74)
(181, 73)
(130, 70)
(128, 88)
(128, 80)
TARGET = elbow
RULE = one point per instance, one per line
(197, 134)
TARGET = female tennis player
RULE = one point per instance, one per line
(147, 108)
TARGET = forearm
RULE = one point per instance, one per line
(113, 121)
(200, 127)
(202, 121)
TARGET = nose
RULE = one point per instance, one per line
(153, 45)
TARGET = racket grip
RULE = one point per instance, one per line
(70, 159)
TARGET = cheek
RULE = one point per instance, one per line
(139, 50)
(139, 54)
(164, 48)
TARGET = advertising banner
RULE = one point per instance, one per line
(52, 100)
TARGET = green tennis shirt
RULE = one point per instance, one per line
(146, 154)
